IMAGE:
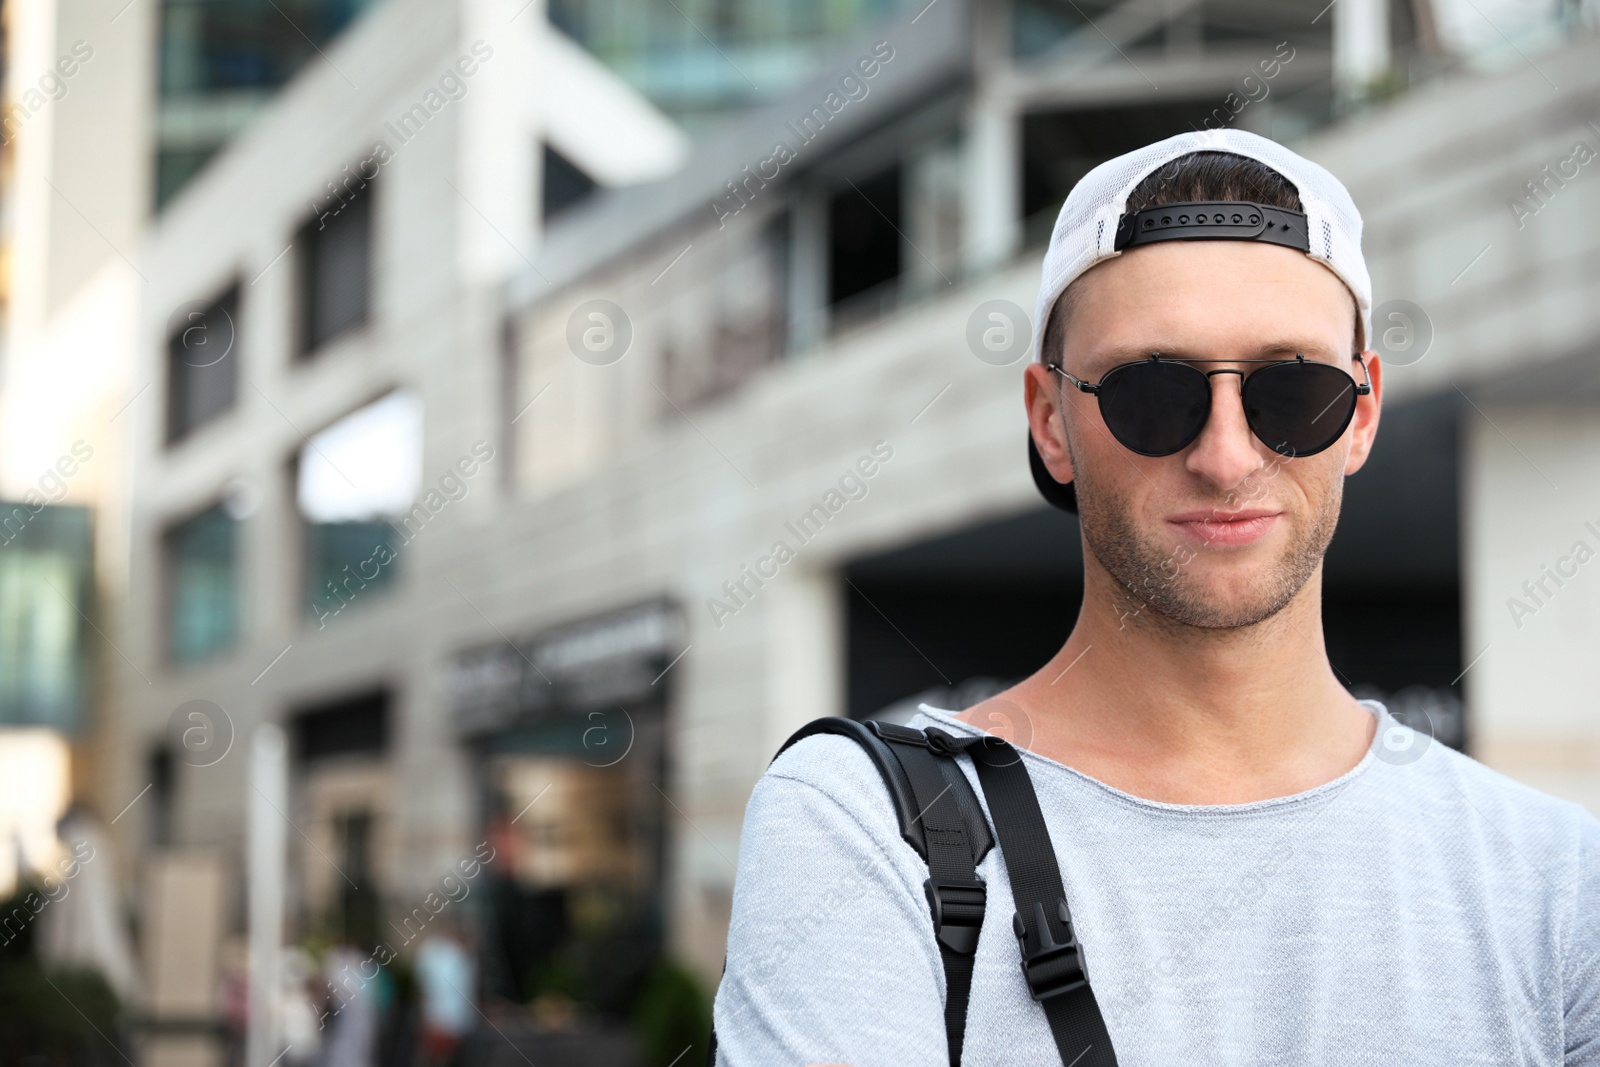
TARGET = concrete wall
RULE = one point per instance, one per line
(1533, 596)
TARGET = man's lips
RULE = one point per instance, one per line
(1226, 527)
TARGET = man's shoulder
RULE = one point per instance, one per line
(822, 815)
(831, 759)
(833, 764)
(1482, 781)
(840, 769)
(1531, 817)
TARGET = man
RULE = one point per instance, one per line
(1260, 868)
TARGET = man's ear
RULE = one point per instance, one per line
(1364, 423)
(1041, 390)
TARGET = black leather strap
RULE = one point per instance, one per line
(956, 897)
(1052, 959)
(941, 819)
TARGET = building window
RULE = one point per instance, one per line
(45, 587)
(202, 592)
(344, 798)
(353, 481)
(202, 364)
(163, 795)
(346, 562)
(864, 228)
(351, 726)
(1060, 146)
(564, 185)
(335, 250)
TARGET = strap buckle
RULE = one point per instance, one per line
(945, 744)
(892, 731)
(958, 908)
(933, 739)
(1055, 967)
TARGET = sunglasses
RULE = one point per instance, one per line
(1158, 406)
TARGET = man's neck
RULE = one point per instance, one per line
(1187, 715)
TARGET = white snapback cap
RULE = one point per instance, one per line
(1086, 230)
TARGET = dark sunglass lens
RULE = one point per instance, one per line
(1155, 408)
(1299, 409)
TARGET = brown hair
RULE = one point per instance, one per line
(1196, 176)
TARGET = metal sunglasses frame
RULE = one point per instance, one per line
(1093, 389)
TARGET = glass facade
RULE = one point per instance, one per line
(202, 586)
(356, 483)
(44, 598)
(220, 60)
(346, 560)
(696, 58)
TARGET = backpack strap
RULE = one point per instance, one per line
(941, 819)
(1052, 958)
(957, 839)
(888, 744)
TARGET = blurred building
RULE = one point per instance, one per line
(455, 405)
(322, 326)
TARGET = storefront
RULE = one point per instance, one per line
(567, 733)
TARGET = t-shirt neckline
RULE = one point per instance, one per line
(1334, 785)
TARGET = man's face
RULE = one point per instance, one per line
(1152, 522)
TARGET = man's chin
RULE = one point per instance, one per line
(1223, 613)
(1239, 586)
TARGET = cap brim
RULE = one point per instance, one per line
(1058, 494)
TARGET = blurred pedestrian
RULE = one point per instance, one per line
(82, 927)
(350, 1029)
(445, 982)
(299, 1017)
(234, 997)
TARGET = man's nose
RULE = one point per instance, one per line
(1226, 451)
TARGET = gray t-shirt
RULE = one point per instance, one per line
(1423, 912)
